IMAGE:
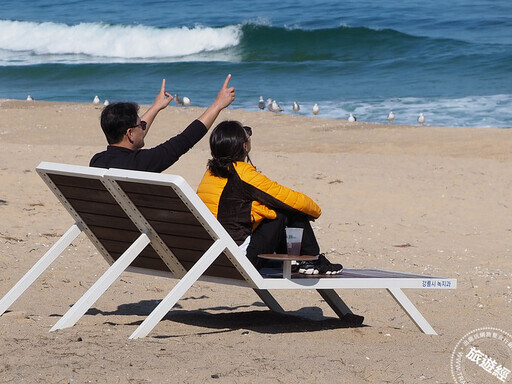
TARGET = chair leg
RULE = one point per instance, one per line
(411, 311)
(269, 300)
(179, 290)
(43, 263)
(339, 307)
(335, 302)
(101, 285)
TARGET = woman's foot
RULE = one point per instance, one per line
(321, 266)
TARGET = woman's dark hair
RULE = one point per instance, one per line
(227, 147)
(116, 118)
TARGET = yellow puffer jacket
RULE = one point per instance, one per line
(241, 202)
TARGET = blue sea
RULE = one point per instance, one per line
(451, 61)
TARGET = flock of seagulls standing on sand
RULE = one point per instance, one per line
(270, 104)
(273, 106)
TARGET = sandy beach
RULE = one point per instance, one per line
(430, 200)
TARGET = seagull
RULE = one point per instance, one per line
(96, 100)
(276, 107)
(316, 109)
(106, 103)
(177, 99)
(352, 118)
(29, 98)
(391, 117)
(269, 104)
(296, 107)
(186, 100)
(421, 119)
(261, 103)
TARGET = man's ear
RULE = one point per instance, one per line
(129, 135)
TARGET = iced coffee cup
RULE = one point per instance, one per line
(294, 240)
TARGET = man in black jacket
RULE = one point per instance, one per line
(125, 132)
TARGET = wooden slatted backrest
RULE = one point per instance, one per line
(87, 195)
(178, 223)
(81, 191)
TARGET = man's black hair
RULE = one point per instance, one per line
(116, 118)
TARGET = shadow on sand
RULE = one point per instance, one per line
(222, 319)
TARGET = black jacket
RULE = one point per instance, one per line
(155, 159)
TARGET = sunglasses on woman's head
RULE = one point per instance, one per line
(248, 130)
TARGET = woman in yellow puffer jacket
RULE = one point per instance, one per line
(253, 209)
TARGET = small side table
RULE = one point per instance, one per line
(287, 261)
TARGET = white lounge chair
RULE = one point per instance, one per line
(122, 212)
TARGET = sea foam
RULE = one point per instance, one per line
(470, 111)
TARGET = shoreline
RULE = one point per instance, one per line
(284, 113)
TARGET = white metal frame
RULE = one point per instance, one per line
(223, 243)
(72, 233)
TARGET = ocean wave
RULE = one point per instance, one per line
(47, 42)
(99, 40)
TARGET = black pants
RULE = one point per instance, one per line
(270, 237)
